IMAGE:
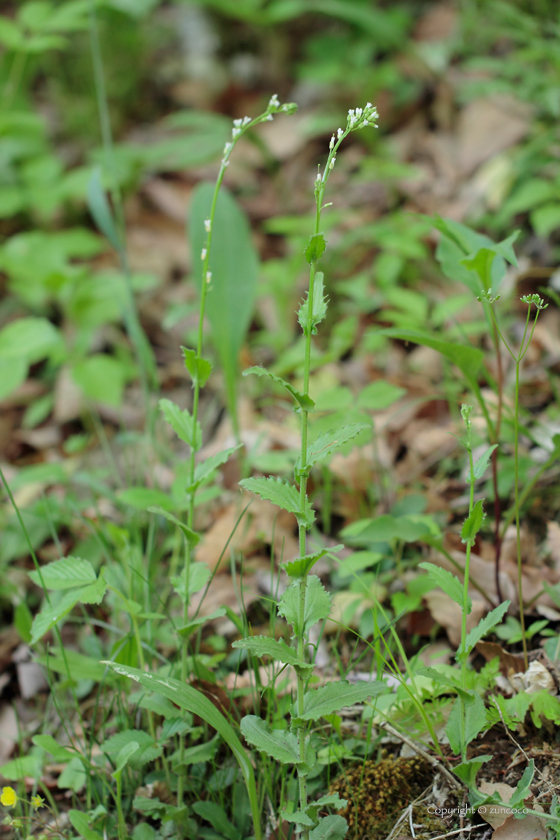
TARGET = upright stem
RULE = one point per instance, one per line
(464, 615)
(517, 525)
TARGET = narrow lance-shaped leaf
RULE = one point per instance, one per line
(450, 584)
(281, 493)
(191, 536)
(303, 400)
(481, 464)
(483, 627)
(319, 310)
(181, 422)
(199, 368)
(328, 442)
(300, 567)
(473, 523)
(280, 744)
(330, 698)
(100, 209)
(278, 650)
(205, 468)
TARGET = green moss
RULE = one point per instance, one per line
(377, 792)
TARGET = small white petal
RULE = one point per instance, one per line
(207, 225)
(203, 254)
(208, 276)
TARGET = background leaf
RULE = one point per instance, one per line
(235, 267)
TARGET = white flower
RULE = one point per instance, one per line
(203, 254)
(331, 164)
(246, 120)
(339, 133)
(227, 148)
(274, 103)
(238, 123)
(318, 178)
(207, 225)
(235, 132)
(269, 118)
(359, 112)
(331, 144)
(208, 276)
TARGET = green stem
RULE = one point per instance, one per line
(517, 524)
(465, 613)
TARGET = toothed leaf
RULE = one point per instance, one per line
(278, 650)
(303, 400)
(199, 368)
(181, 422)
(317, 604)
(334, 696)
(281, 493)
(308, 321)
(473, 523)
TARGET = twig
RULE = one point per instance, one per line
(429, 758)
(456, 831)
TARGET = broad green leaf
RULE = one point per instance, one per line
(199, 368)
(326, 443)
(331, 799)
(185, 630)
(191, 536)
(51, 615)
(188, 698)
(234, 265)
(198, 577)
(317, 604)
(379, 395)
(142, 498)
(333, 827)
(319, 310)
(304, 401)
(281, 493)
(27, 340)
(125, 757)
(546, 219)
(278, 650)
(298, 817)
(100, 209)
(302, 565)
(12, 375)
(467, 770)
(449, 682)
(81, 822)
(384, 528)
(19, 768)
(101, 378)
(481, 464)
(51, 745)
(475, 721)
(198, 754)
(81, 667)
(73, 777)
(483, 627)
(523, 788)
(181, 422)
(217, 817)
(319, 702)
(468, 359)
(450, 584)
(315, 248)
(481, 263)
(65, 573)
(207, 467)
(146, 748)
(473, 523)
(280, 744)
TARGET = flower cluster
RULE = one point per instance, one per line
(536, 299)
(239, 125)
(362, 117)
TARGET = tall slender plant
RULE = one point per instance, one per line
(518, 357)
(305, 602)
(185, 423)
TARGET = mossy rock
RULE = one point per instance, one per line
(377, 792)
